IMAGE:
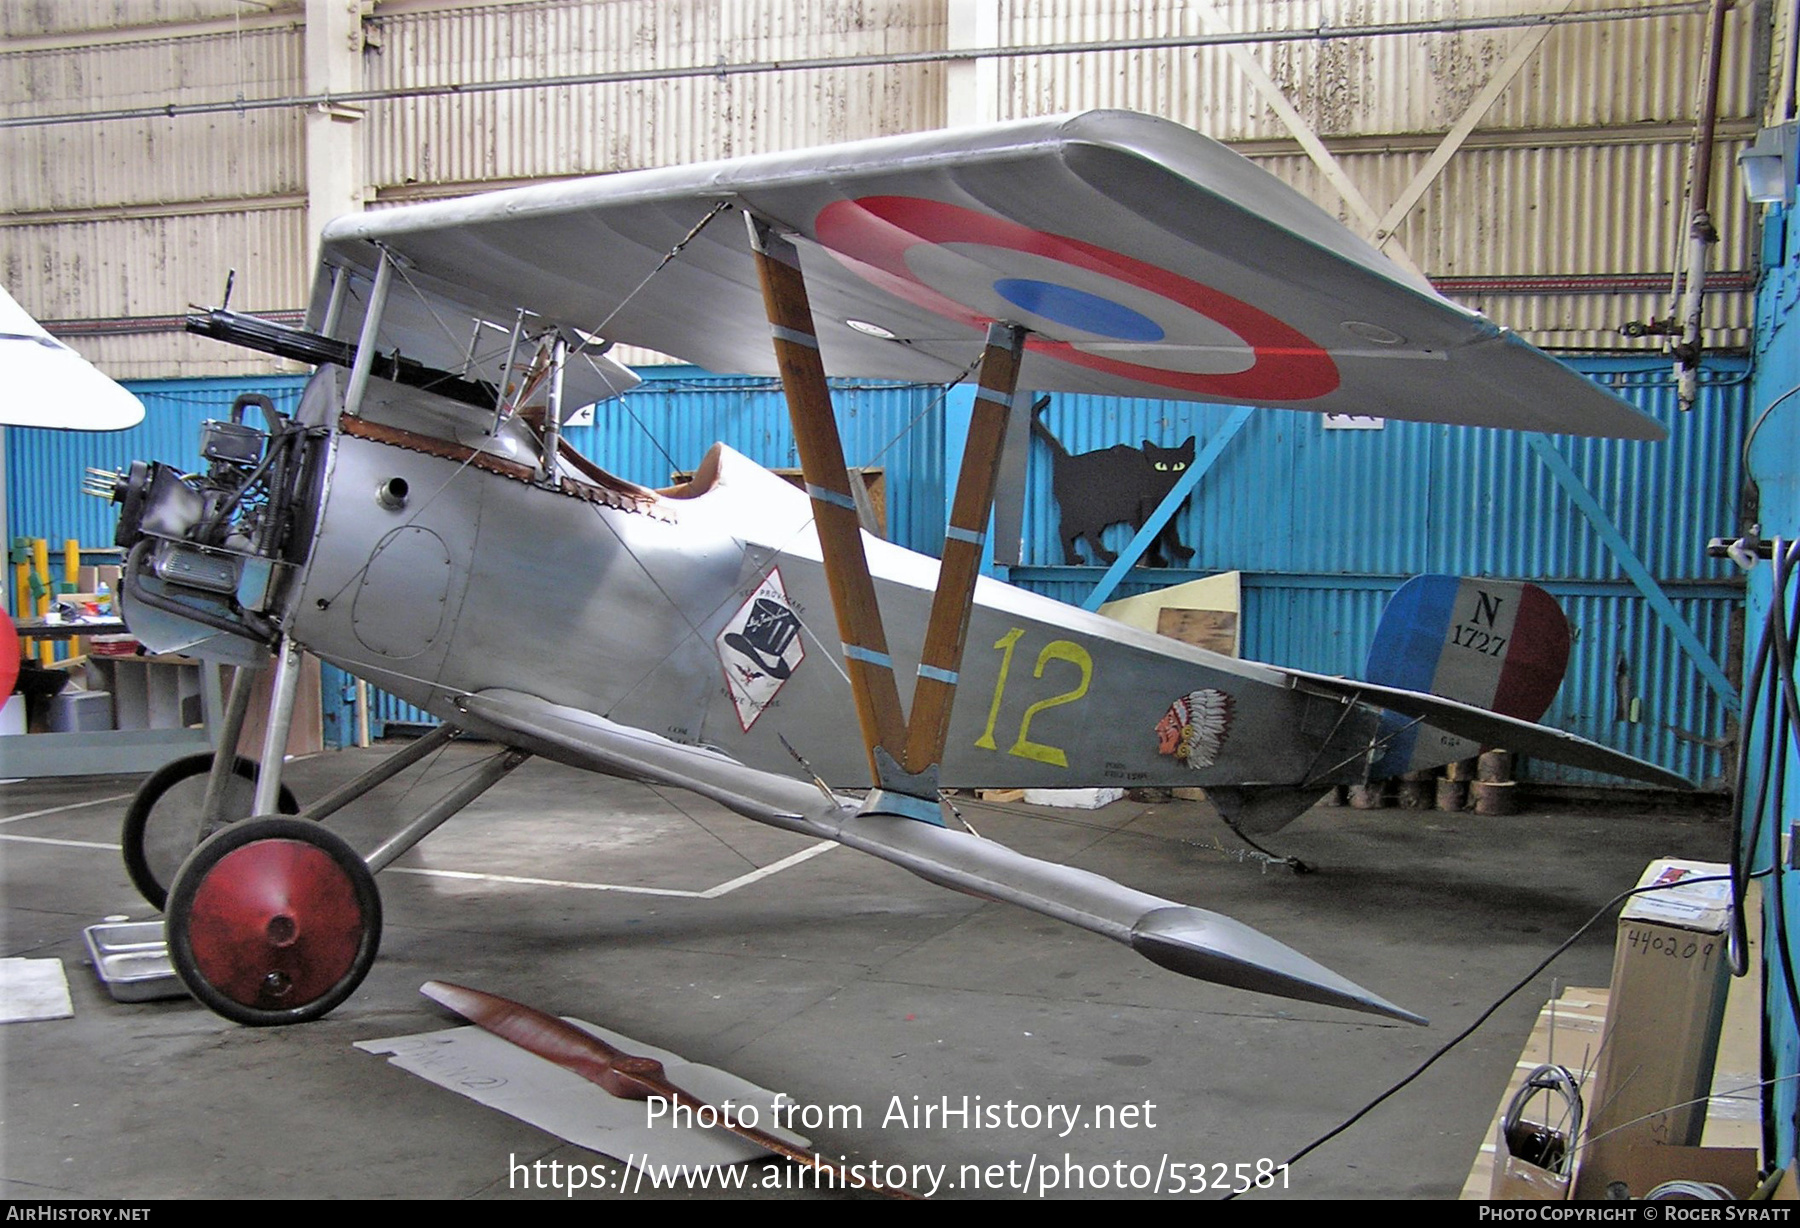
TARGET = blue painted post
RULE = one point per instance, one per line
(1134, 551)
(1634, 568)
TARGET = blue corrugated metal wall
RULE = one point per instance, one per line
(1326, 524)
(668, 423)
(44, 468)
(1775, 467)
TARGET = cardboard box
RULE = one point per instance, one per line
(1656, 1056)
(1648, 1165)
(81, 712)
(1517, 1180)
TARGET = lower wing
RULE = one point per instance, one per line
(1191, 941)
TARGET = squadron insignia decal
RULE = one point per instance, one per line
(1195, 727)
(760, 649)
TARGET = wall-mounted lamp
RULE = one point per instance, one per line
(1770, 164)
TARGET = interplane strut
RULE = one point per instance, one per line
(904, 753)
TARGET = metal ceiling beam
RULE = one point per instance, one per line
(1520, 54)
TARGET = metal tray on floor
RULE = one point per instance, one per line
(132, 960)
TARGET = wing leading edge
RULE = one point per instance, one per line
(1146, 260)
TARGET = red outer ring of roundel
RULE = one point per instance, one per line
(229, 923)
(871, 235)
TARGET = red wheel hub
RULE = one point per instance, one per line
(276, 924)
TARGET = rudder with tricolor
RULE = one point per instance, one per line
(1502, 645)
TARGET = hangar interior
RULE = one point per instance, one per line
(1540, 162)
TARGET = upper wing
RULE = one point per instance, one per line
(1146, 259)
(48, 384)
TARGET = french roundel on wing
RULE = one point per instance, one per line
(1085, 305)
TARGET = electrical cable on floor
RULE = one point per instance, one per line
(1545, 1145)
(1605, 910)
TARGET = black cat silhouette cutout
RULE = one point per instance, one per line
(1115, 485)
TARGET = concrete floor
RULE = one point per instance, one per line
(839, 980)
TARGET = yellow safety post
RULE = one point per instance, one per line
(40, 561)
(22, 590)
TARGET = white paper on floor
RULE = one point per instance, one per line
(1074, 799)
(34, 989)
(537, 1091)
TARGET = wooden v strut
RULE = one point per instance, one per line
(904, 753)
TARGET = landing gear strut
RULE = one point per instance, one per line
(166, 820)
(275, 920)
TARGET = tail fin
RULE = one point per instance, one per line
(1502, 645)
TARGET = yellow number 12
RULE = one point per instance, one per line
(1055, 650)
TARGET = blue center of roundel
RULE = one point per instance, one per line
(1078, 309)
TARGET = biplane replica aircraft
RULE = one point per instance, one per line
(742, 639)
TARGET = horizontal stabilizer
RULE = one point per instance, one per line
(1192, 941)
(1493, 729)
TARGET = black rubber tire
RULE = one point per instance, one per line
(273, 921)
(153, 843)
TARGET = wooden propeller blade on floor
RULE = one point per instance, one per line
(621, 1074)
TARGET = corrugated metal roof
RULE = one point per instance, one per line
(156, 265)
(1578, 169)
(596, 128)
(1403, 84)
(61, 17)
